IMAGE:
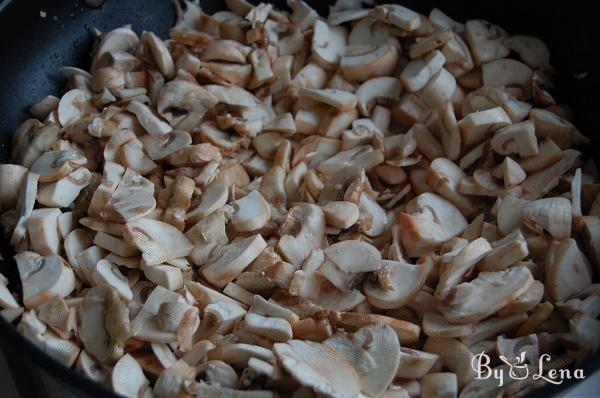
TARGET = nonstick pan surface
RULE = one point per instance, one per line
(32, 48)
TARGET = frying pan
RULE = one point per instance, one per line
(32, 48)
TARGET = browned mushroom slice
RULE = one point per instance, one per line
(42, 228)
(505, 252)
(361, 63)
(549, 214)
(397, 284)
(194, 155)
(149, 121)
(158, 241)
(63, 192)
(54, 165)
(231, 260)
(427, 222)
(319, 367)
(345, 262)
(460, 265)
(397, 15)
(301, 233)
(476, 126)
(486, 294)
(43, 277)
(382, 89)
(183, 104)
(568, 271)
(374, 352)
(252, 212)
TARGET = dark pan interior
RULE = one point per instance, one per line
(32, 49)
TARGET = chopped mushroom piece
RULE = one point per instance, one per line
(568, 271)
(347, 260)
(158, 241)
(43, 277)
(549, 214)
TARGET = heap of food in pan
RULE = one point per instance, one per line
(276, 204)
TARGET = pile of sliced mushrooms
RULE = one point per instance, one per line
(276, 204)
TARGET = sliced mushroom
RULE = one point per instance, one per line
(347, 260)
(73, 105)
(476, 126)
(382, 89)
(486, 294)
(214, 196)
(518, 138)
(507, 72)
(397, 15)
(301, 233)
(63, 192)
(149, 121)
(42, 228)
(106, 273)
(231, 260)
(364, 156)
(428, 221)
(439, 89)
(160, 54)
(12, 177)
(25, 204)
(341, 214)
(183, 104)
(487, 41)
(361, 63)
(568, 271)
(435, 325)
(444, 177)
(128, 378)
(532, 50)
(505, 252)
(54, 165)
(328, 44)
(341, 100)
(251, 212)
(550, 125)
(550, 214)
(158, 241)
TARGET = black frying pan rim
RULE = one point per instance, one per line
(77, 382)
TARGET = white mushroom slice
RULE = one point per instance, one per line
(54, 165)
(349, 15)
(486, 294)
(43, 277)
(251, 212)
(568, 271)
(149, 121)
(454, 355)
(220, 317)
(373, 220)
(43, 107)
(429, 43)
(414, 363)
(75, 242)
(334, 123)
(158, 241)
(214, 196)
(74, 105)
(275, 329)
(439, 385)
(106, 273)
(550, 125)
(233, 95)
(166, 276)
(459, 265)
(328, 44)
(512, 173)
(301, 233)
(63, 192)
(341, 214)
(428, 222)
(476, 126)
(397, 15)
(487, 41)
(225, 50)
(435, 325)
(177, 97)
(12, 177)
(341, 100)
(303, 15)
(444, 176)
(442, 20)
(397, 284)
(383, 89)
(261, 68)
(507, 72)
(417, 73)
(319, 367)
(272, 309)
(345, 261)
(160, 54)
(374, 352)
(115, 245)
(128, 378)
(509, 213)
(231, 260)
(361, 63)
(540, 183)
(449, 131)
(25, 204)
(238, 354)
(549, 214)
(518, 138)
(532, 50)
(42, 228)
(506, 252)
(440, 88)
(364, 156)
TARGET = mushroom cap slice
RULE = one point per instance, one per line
(490, 291)
(487, 41)
(43, 277)
(179, 96)
(160, 54)
(214, 196)
(73, 105)
(149, 121)
(385, 89)
(339, 99)
(549, 214)
(347, 260)
(319, 367)
(341, 214)
(128, 378)
(398, 284)
(158, 241)
(231, 260)
(301, 233)
(232, 95)
(568, 271)
(414, 363)
(364, 62)
(400, 16)
(63, 192)
(507, 72)
(42, 229)
(251, 212)
(374, 352)
(54, 165)
(428, 222)
(417, 73)
(25, 204)
(328, 44)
